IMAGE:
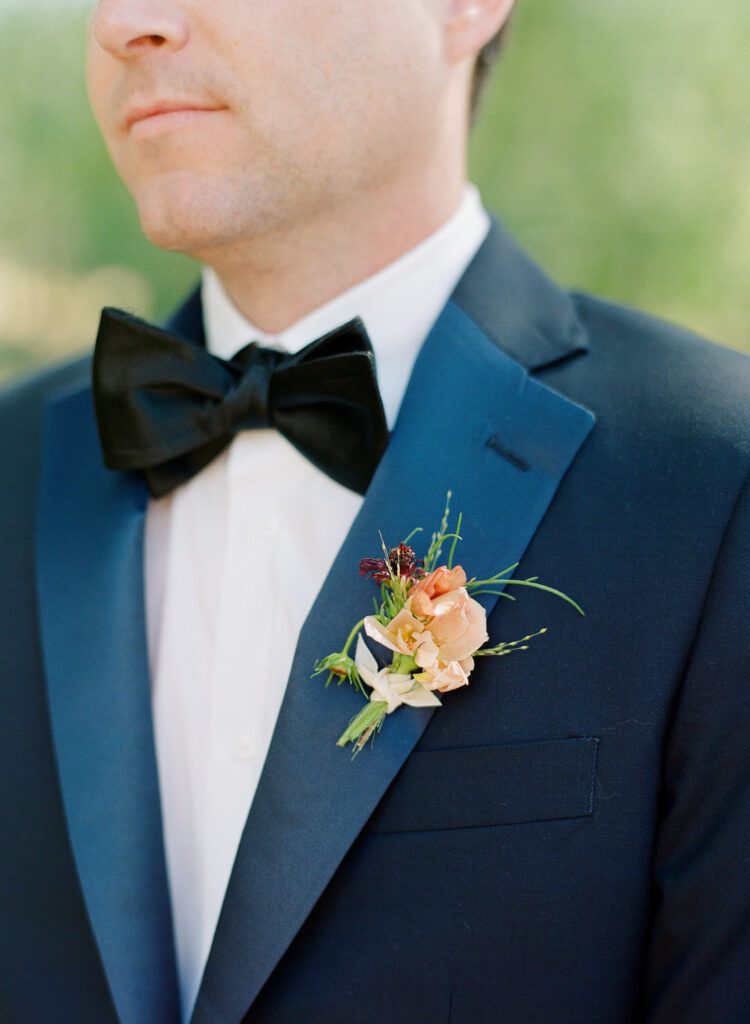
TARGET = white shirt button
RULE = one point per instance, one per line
(244, 748)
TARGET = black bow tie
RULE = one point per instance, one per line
(167, 407)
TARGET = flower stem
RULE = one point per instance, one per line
(456, 538)
(350, 639)
(403, 664)
(363, 725)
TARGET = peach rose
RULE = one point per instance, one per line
(446, 677)
(440, 581)
(441, 628)
(403, 634)
(458, 625)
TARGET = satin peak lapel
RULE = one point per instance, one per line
(472, 421)
(90, 584)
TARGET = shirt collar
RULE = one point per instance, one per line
(399, 304)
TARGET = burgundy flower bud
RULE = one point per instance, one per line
(375, 567)
(404, 562)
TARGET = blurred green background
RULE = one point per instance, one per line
(614, 141)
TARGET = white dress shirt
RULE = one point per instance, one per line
(234, 560)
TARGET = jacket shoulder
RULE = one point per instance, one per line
(670, 378)
(22, 406)
(22, 401)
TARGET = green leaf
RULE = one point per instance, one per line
(456, 538)
(550, 590)
(417, 529)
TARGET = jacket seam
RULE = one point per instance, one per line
(679, 688)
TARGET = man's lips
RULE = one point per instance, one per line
(161, 115)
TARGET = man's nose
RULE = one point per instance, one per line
(134, 28)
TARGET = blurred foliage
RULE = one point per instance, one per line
(616, 144)
(613, 141)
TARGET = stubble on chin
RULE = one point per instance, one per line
(188, 213)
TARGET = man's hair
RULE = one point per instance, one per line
(485, 60)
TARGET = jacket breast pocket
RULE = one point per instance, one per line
(470, 787)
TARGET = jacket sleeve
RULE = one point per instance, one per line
(698, 957)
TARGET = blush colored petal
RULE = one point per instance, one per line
(421, 604)
(426, 654)
(378, 632)
(459, 626)
(401, 634)
(444, 678)
(441, 581)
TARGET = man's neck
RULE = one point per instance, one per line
(276, 279)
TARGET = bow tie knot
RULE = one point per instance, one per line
(167, 407)
(247, 404)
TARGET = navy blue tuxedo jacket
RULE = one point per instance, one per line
(565, 841)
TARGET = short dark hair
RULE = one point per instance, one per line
(484, 63)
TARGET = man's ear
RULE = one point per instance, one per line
(469, 24)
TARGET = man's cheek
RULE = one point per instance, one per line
(99, 86)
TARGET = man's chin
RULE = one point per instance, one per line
(187, 220)
(174, 233)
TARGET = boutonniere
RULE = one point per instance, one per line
(429, 619)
